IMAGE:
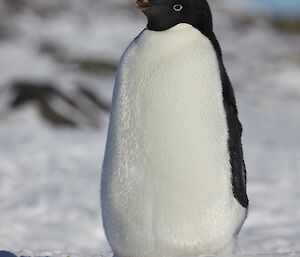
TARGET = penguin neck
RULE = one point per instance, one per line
(171, 41)
(205, 27)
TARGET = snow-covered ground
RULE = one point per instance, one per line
(50, 176)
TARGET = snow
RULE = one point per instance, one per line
(50, 176)
(58, 254)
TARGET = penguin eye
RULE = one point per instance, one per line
(177, 7)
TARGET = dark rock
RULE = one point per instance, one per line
(78, 107)
(288, 25)
(7, 254)
(98, 101)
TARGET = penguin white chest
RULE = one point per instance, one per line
(166, 182)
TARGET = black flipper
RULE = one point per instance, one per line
(238, 169)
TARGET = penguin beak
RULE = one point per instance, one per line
(142, 5)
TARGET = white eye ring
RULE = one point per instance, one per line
(177, 7)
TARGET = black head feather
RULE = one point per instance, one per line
(164, 14)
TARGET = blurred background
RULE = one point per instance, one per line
(57, 65)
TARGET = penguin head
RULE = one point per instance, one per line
(164, 14)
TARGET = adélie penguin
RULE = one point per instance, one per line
(174, 179)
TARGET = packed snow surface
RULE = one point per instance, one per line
(50, 176)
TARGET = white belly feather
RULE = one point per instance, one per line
(166, 182)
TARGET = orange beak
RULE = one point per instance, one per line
(142, 5)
